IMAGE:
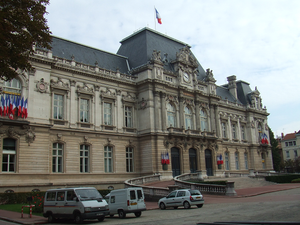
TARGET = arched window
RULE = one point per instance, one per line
(84, 158)
(57, 157)
(203, 120)
(108, 159)
(9, 155)
(171, 115)
(12, 87)
(129, 159)
(188, 118)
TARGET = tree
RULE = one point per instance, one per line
(22, 25)
(275, 152)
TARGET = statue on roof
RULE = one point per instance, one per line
(210, 76)
(156, 55)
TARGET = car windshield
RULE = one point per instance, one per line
(195, 192)
(88, 194)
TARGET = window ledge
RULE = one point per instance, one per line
(58, 122)
(129, 129)
(108, 127)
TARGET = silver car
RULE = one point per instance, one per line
(183, 197)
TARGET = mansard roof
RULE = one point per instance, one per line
(224, 93)
(84, 54)
(139, 47)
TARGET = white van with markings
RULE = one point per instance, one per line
(74, 203)
(128, 200)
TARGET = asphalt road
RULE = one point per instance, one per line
(276, 206)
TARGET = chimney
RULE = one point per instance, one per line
(282, 135)
(232, 85)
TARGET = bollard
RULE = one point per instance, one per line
(30, 210)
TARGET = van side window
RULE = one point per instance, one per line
(60, 196)
(139, 193)
(112, 199)
(51, 196)
(132, 195)
(71, 196)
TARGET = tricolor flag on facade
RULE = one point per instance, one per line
(158, 17)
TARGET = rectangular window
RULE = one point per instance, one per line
(51, 196)
(295, 153)
(57, 158)
(58, 107)
(286, 144)
(294, 143)
(243, 133)
(107, 114)
(9, 155)
(246, 160)
(128, 116)
(108, 159)
(84, 111)
(233, 131)
(84, 158)
(287, 154)
(290, 143)
(237, 167)
(224, 130)
(129, 159)
(226, 161)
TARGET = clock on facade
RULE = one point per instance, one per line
(186, 77)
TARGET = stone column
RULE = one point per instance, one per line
(239, 129)
(229, 129)
(212, 118)
(156, 111)
(97, 113)
(73, 105)
(197, 111)
(218, 121)
(181, 113)
(163, 112)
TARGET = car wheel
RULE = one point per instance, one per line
(162, 205)
(77, 218)
(200, 206)
(51, 219)
(138, 214)
(100, 219)
(176, 207)
(186, 205)
(122, 214)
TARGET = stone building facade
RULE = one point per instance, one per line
(98, 118)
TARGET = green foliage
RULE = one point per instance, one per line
(104, 192)
(275, 152)
(283, 178)
(22, 24)
(38, 201)
(293, 165)
(296, 180)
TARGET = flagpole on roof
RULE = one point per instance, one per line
(155, 17)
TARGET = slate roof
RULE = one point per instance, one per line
(139, 47)
(136, 50)
(66, 49)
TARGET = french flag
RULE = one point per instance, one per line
(21, 102)
(158, 17)
(167, 158)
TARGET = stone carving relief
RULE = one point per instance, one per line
(85, 89)
(143, 104)
(42, 86)
(12, 132)
(185, 56)
(156, 55)
(210, 76)
(59, 84)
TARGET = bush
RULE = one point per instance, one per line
(282, 178)
(296, 180)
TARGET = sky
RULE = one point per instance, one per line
(256, 40)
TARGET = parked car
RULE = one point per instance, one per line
(123, 201)
(183, 197)
(74, 203)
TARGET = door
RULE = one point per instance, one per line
(133, 200)
(140, 199)
(175, 161)
(193, 160)
(208, 162)
(170, 200)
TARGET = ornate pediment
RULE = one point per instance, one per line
(85, 89)
(185, 56)
(59, 84)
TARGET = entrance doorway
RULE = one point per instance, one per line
(175, 161)
(193, 160)
(208, 162)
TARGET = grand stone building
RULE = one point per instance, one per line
(98, 118)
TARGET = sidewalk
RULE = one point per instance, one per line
(209, 199)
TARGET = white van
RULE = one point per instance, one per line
(75, 203)
(129, 200)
